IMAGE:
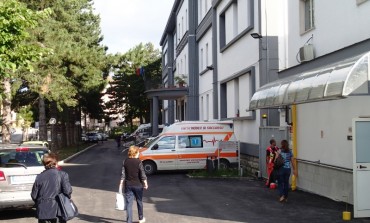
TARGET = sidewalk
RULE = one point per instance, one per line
(302, 207)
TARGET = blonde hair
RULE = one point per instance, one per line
(133, 151)
(50, 160)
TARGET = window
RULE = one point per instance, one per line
(308, 15)
(182, 24)
(165, 58)
(201, 60)
(195, 141)
(201, 108)
(235, 95)
(235, 21)
(207, 55)
(166, 143)
(207, 108)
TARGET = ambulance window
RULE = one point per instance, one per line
(184, 142)
(166, 143)
(196, 141)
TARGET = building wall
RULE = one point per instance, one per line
(337, 25)
(324, 153)
(203, 7)
(182, 20)
(182, 62)
(323, 137)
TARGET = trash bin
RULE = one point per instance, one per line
(211, 163)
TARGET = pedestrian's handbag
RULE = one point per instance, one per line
(120, 200)
(68, 210)
(279, 162)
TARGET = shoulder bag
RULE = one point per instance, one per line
(67, 209)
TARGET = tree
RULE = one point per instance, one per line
(70, 79)
(127, 88)
(17, 49)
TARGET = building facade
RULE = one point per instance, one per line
(323, 79)
(275, 68)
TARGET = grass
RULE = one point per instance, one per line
(230, 172)
(66, 152)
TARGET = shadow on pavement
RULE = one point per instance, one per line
(17, 213)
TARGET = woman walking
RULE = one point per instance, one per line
(134, 180)
(47, 186)
(285, 170)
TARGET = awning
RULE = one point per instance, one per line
(348, 77)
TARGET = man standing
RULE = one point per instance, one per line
(270, 158)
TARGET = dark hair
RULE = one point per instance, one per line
(272, 141)
(285, 144)
(50, 160)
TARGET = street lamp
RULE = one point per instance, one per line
(256, 36)
(52, 122)
(78, 123)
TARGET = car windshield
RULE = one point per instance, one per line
(21, 156)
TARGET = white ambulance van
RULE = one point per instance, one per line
(187, 145)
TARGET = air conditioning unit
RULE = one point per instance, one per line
(306, 53)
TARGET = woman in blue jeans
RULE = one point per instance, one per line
(134, 180)
(285, 170)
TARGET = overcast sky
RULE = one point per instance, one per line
(126, 23)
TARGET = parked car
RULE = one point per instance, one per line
(93, 137)
(104, 136)
(19, 166)
(84, 137)
(36, 143)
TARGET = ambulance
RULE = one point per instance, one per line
(187, 145)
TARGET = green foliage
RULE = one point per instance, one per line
(26, 114)
(127, 89)
(74, 74)
(16, 49)
(224, 173)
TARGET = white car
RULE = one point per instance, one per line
(94, 137)
(19, 166)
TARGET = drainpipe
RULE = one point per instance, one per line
(295, 150)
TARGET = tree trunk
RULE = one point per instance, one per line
(6, 115)
(42, 120)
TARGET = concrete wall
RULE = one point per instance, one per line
(328, 182)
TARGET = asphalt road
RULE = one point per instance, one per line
(173, 197)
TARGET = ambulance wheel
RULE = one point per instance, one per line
(224, 164)
(149, 167)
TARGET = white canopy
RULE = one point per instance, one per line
(348, 77)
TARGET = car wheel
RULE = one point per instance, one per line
(224, 164)
(149, 167)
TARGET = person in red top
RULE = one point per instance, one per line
(270, 158)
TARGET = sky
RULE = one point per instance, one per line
(126, 23)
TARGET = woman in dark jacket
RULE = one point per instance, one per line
(47, 186)
(133, 179)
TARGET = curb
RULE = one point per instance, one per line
(74, 155)
(221, 177)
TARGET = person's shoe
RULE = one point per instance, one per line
(142, 220)
(282, 198)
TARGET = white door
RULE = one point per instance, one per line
(361, 167)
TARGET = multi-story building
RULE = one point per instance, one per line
(274, 66)
(324, 55)
(210, 43)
